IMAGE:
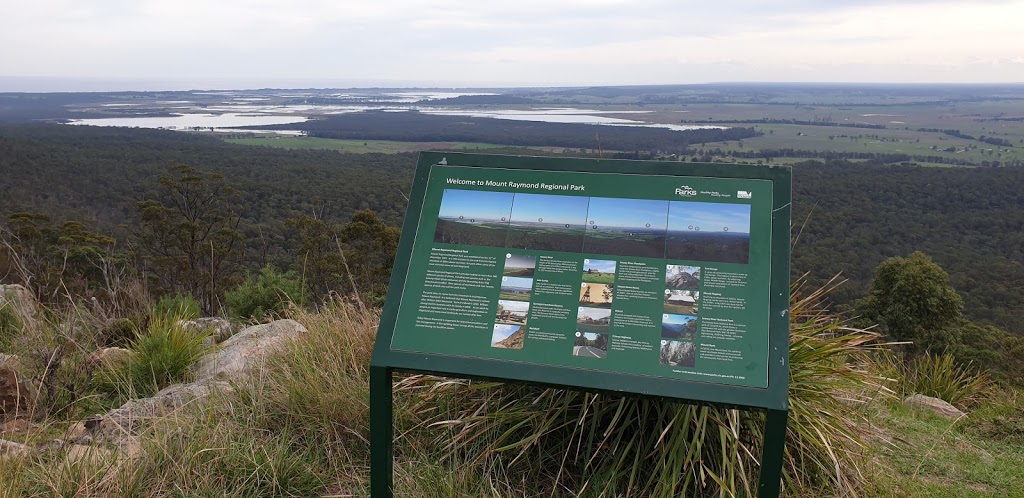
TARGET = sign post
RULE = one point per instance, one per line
(660, 279)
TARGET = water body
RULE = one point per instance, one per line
(248, 111)
(193, 121)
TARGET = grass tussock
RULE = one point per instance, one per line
(161, 355)
(938, 376)
(583, 444)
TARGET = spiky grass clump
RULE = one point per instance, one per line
(582, 444)
(161, 356)
(939, 376)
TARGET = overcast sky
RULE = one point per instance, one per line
(181, 44)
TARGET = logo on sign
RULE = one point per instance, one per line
(743, 194)
(686, 191)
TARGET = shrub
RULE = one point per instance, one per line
(183, 306)
(161, 356)
(266, 295)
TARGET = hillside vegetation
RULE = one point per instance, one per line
(849, 217)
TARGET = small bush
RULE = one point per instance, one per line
(269, 294)
(161, 356)
(183, 306)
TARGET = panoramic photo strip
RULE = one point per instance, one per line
(675, 230)
(626, 227)
(548, 222)
(473, 217)
(708, 231)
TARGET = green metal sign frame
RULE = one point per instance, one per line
(773, 399)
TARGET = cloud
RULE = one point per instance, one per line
(527, 41)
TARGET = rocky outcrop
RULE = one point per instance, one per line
(934, 405)
(22, 302)
(240, 355)
(10, 449)
(126, 420)
(247, 350)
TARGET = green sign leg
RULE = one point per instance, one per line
(774, 453)
(381, 433)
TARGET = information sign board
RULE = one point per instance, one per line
(667, 279)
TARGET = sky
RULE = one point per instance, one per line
(550, 208)
(198, 44)
(709, 216)
(627, 213)
(475, 205)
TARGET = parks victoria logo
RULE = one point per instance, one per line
(686, 191)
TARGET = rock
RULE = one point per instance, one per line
(76, 432)
(126, 420)
(18, 425)
(108, 357)
(10, 449)
(220, 329)
(17, 394)
(935, 405)
(22, 302)
(92, 456)
(247, 350)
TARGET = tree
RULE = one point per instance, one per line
(317, 257)
(912, 300)
(189, 237)
(369, 250)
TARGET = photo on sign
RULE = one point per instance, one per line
(599, 271)
(519, 265)
(473, 217)
(678, 327)
(708, 231)
(508, 336)
(682, 277)
(626, 227)
(682, 301)
(547, 222)
(678, 354)
(597, 295)
(590, 345)
(516, 288)
(595, 320)
(512, 312)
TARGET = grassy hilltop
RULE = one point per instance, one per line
(300, 427)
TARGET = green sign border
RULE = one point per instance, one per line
(774, 397)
